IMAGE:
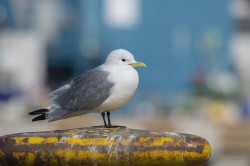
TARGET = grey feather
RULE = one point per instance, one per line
(60, 90)
(85, 93)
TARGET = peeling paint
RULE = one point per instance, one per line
(1, 154)
(101, 146)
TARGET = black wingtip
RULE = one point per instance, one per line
(41, 111)
(40, 117)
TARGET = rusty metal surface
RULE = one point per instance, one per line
(102, 146)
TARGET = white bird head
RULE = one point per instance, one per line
(123, 57)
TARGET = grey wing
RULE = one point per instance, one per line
(86, 92)
(60, 90)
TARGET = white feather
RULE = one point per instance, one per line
(125, 79)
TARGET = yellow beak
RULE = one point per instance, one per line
(138, 64)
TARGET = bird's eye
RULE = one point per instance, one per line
(123, 60)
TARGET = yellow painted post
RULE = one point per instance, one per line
(102, 146)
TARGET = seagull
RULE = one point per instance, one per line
(101, 89)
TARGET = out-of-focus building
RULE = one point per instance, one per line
(196, 52)
(175, 38)
(241, 41)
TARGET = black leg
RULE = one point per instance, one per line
(103, 117)
(109, 122)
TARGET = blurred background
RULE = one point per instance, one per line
(197, 53)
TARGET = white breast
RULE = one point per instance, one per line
(125, 81)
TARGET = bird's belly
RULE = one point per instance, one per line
(122, 91)
(114, 102)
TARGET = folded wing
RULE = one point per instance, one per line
(85, 93)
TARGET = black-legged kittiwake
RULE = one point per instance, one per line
(102, 89)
